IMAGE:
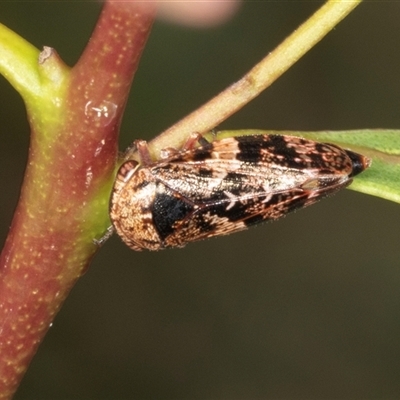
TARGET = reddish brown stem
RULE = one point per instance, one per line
(63, 202)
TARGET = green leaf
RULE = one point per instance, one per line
(382, 146)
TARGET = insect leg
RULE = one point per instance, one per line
(144, 153)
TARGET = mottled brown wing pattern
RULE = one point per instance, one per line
(225, 186)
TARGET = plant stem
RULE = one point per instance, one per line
(74, 116)
(258, 78)
(18, 62)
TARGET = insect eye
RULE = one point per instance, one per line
(127, 169)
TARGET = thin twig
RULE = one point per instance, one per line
(258, 78)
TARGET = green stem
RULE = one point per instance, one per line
(258, 78)
(18, 63)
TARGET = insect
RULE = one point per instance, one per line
(223, 187)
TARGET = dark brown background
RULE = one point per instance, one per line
(308, 307)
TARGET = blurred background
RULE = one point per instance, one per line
(307, 307)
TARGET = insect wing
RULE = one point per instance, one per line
(231, 184)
